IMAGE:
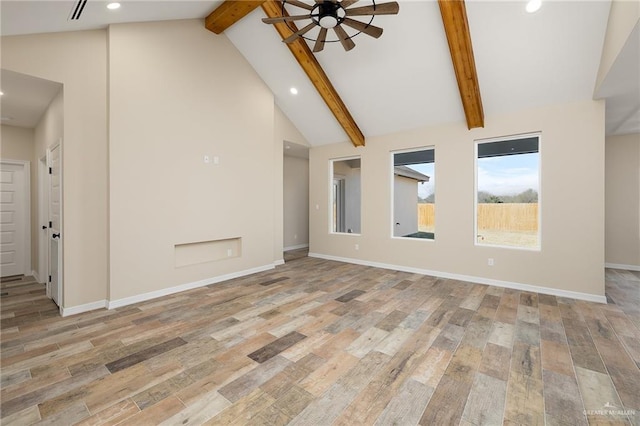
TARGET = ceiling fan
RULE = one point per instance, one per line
(333, 14)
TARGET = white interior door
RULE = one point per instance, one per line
(14, 218)
(55, 229)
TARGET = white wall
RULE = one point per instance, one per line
(48, 132)
(624, 15)
(622, 206)
(78, 60)
(177, 93)
(17, 143)
(296, 202)
(353, 201)
(572, 203)
(405, 210)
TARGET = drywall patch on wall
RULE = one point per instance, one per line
(207, 251)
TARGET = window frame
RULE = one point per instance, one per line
(477, 142)
(331, 195)
(392, 190)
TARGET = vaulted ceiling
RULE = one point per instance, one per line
(403, 80)
(456, 27)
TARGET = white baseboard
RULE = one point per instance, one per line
(620, 266)
(74, 310)
(278, 262)
(478, 280)
(112, 304)
(299, 246)
(36, 277)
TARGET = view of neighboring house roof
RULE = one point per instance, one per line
(407, 172)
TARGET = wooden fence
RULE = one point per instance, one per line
(426, 216)
(495, 216)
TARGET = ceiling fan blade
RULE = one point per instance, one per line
(391, 8)
(322, 36)
(346, 3)
(347, 43)
(368, 29)
(285, 19)
(299, 4)
(299, 33)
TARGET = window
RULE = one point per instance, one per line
(507, 188)
(414, 194)
(345, 195)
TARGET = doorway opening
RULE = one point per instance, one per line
(296, 201)
(36, 104)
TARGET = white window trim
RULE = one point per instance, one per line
(392, 192)
(330, 200)
(475, 193)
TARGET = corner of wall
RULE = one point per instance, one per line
(623, 17)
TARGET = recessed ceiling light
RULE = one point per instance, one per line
(1, 93)
(113, 6)
(533, 5)
(293, 91)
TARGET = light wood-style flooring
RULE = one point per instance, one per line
(317, 342)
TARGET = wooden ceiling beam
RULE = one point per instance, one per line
(456, 27)
(228, 13)
(232, 11)
(310, 65)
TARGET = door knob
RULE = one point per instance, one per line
(55, 235)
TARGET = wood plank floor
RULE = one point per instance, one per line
(317, 342)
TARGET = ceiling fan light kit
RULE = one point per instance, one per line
(332, 15)
(329, 14)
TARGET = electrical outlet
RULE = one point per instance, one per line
(490, 261)
(357, 246)
(207, 159)
(229, 252)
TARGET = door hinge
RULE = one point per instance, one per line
(50, 171)
(49, 278)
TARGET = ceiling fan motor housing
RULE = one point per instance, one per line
(330, 14)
